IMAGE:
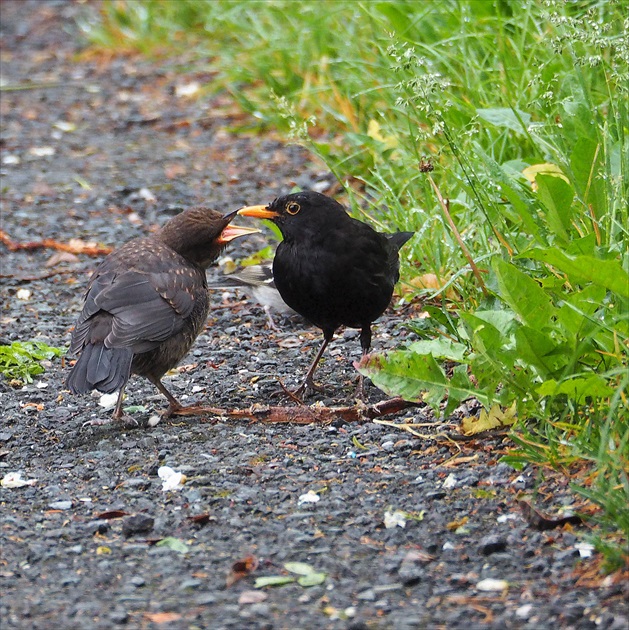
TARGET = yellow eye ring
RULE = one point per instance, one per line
(292, 207)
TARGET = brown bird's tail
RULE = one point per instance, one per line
(101, 368)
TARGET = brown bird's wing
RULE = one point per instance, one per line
(144, 305)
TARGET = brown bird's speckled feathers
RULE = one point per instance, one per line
(146, 303)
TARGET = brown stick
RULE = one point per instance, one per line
(303, 414)
(50, 243)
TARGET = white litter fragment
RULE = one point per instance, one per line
(42, 151)
(524, 611)
(394, 519)
(14, 480)
(503, 518)
(449, 482)
(310, 497)
(108, 400)
(64, 125)
(189, 89)
(23, 294)
(448, 546)
(585, 549)
(11, 159)
(154, 420)
(490, 585)
(147, 195)
(171, 479)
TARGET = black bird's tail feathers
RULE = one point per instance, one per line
(101, 368)
(399, 238)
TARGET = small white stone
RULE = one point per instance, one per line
(524, 612)
(491, 585)
(107, 401)
(23, 294)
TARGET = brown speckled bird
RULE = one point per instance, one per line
(146, 303)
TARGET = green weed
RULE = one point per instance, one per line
(22, 359)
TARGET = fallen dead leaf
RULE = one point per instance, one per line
(240, 569)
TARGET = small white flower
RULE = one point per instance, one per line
(171, 479)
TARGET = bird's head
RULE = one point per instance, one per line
(299, 213)
(199, 234)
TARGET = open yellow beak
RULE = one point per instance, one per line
(234, 231)
(259, 212)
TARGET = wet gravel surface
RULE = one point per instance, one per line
(103, 149)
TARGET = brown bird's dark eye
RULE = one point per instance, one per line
(292, 207)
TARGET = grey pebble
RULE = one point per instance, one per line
(492, 544)
(137, 524)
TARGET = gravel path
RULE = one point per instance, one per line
(104, 149)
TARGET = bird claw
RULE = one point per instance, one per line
(124, 421)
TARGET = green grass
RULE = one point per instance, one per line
(520, 109)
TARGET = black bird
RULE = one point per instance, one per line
(146, 303)
(332, 269)
(258, 282)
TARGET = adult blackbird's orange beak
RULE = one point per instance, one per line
(259, 212)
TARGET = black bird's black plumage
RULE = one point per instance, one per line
(332, 269)
(146, 303)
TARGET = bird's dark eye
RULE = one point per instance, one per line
(292, 207)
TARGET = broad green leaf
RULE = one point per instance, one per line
(576, 313)
(539, 351)
(311, 579)
(517, 197)
(273, 580)
(441, 348)
(502, 320)
(584, 269)
(587, 162)
(414, 377)
(506, 117)
(578, 388)
(557, 196)
(523, 295)
(301, 568)
(173, 543)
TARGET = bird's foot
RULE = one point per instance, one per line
(123, 421)
(359, 392)
(298, 395)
